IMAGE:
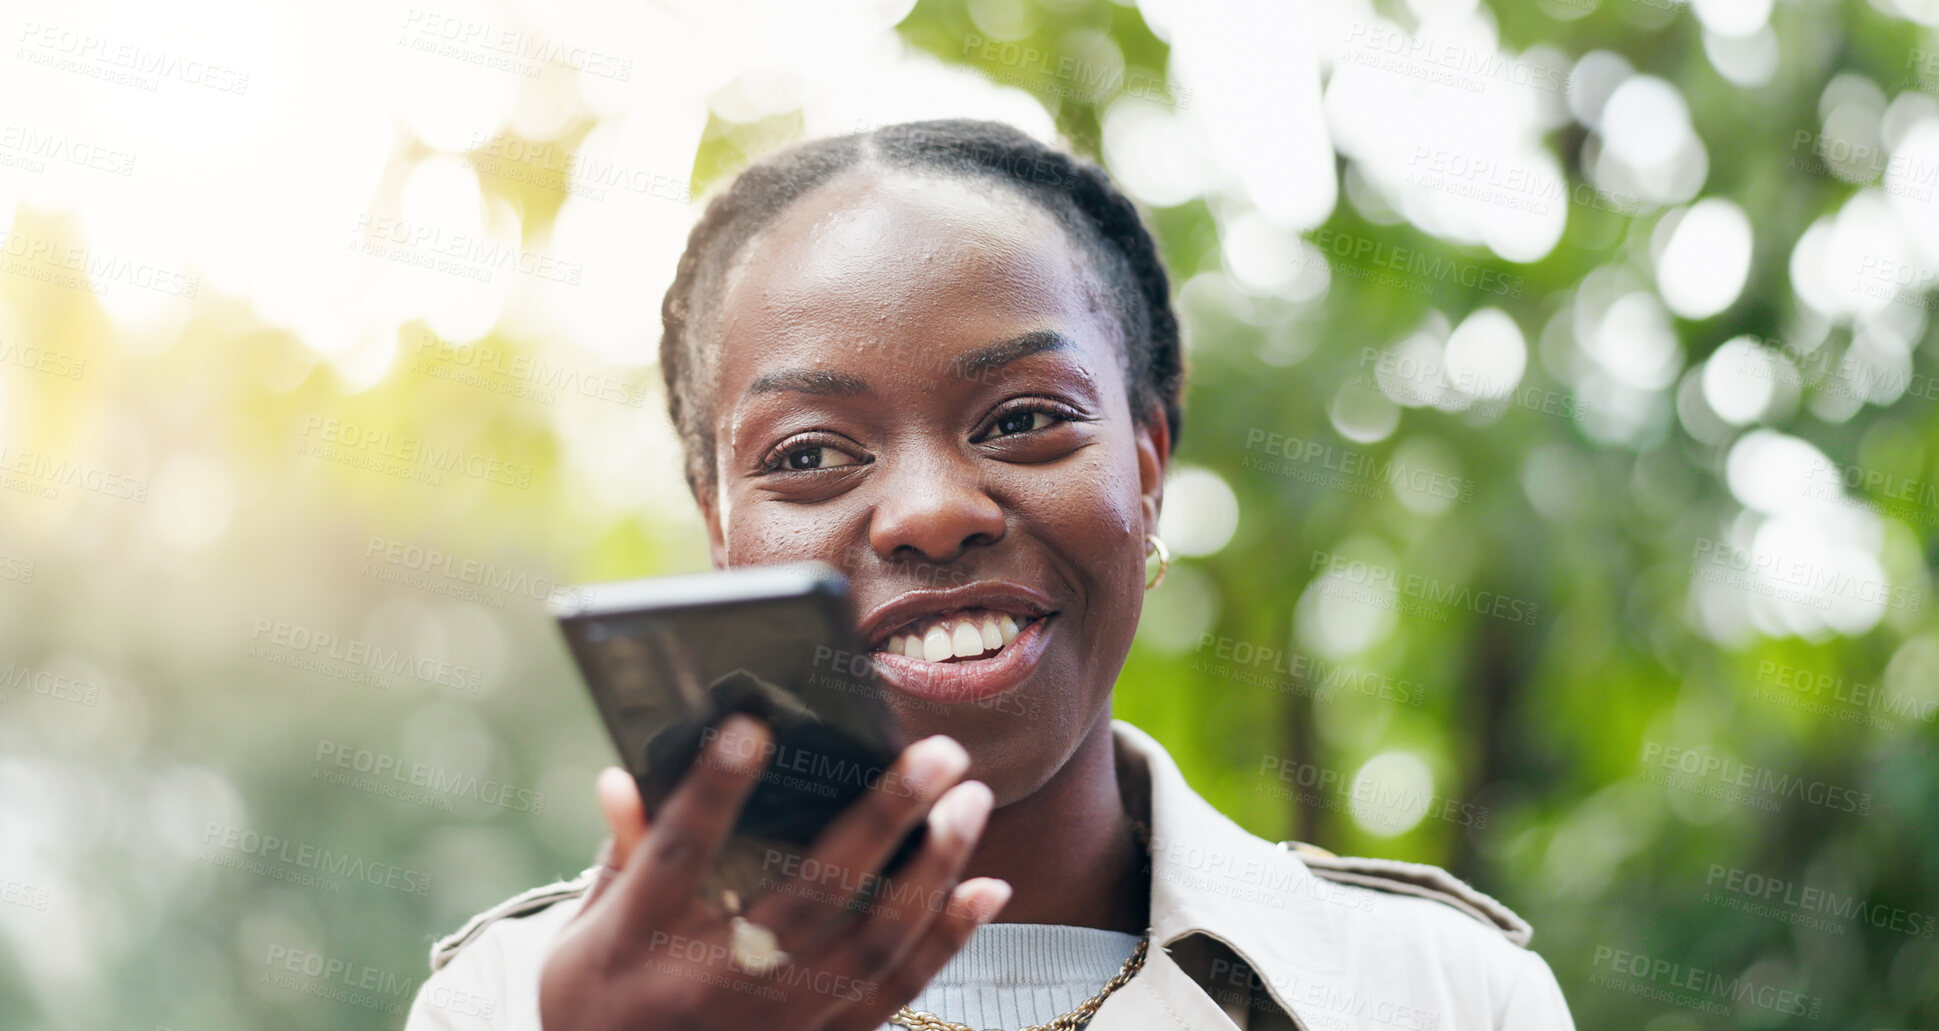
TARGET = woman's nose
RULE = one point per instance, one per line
(935, 509)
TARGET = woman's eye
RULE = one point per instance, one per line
(813, 456)
(1021, 422)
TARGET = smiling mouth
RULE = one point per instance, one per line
(957, 636)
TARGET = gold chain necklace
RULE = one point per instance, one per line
(918, 1020)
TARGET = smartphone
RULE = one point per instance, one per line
(667, 659)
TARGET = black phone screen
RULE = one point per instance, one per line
(668, 659)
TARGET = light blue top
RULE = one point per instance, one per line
(1015, 975)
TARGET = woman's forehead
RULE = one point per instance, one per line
(888, 259)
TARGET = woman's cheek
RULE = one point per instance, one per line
(758, 534)
(1101, 517)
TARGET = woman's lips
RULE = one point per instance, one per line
(972, 679)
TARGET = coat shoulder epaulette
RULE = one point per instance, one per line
(523, 904)
(1416, 879)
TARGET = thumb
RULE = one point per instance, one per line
(619, 799)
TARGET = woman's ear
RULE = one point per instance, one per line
(1153, 436)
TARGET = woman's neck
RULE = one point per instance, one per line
(1068, 850)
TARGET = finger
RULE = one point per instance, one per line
(975, 902)
(672, 858)
(619, 798)
(857, 842)
(877, 942)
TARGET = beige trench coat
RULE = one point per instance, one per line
(1256, 935)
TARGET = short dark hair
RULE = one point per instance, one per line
(1101, 220)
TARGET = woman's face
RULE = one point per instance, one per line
(919, 383)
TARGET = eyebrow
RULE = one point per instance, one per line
(808, 381)
(995, 356)
(980, 362)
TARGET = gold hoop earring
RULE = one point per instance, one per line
(1154, 544)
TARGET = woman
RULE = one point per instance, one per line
(941, 357)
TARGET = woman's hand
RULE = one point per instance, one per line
(647, 951)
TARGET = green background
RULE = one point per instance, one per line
(1538, 734)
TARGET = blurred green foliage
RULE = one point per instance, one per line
(1538, 734)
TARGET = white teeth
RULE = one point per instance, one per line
(936, 644)
(965, 636)
(966, 641)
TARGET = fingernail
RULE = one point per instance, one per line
(961, 814)
(988, 898)
(739, 745)
(612, 777)
(933, 762)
